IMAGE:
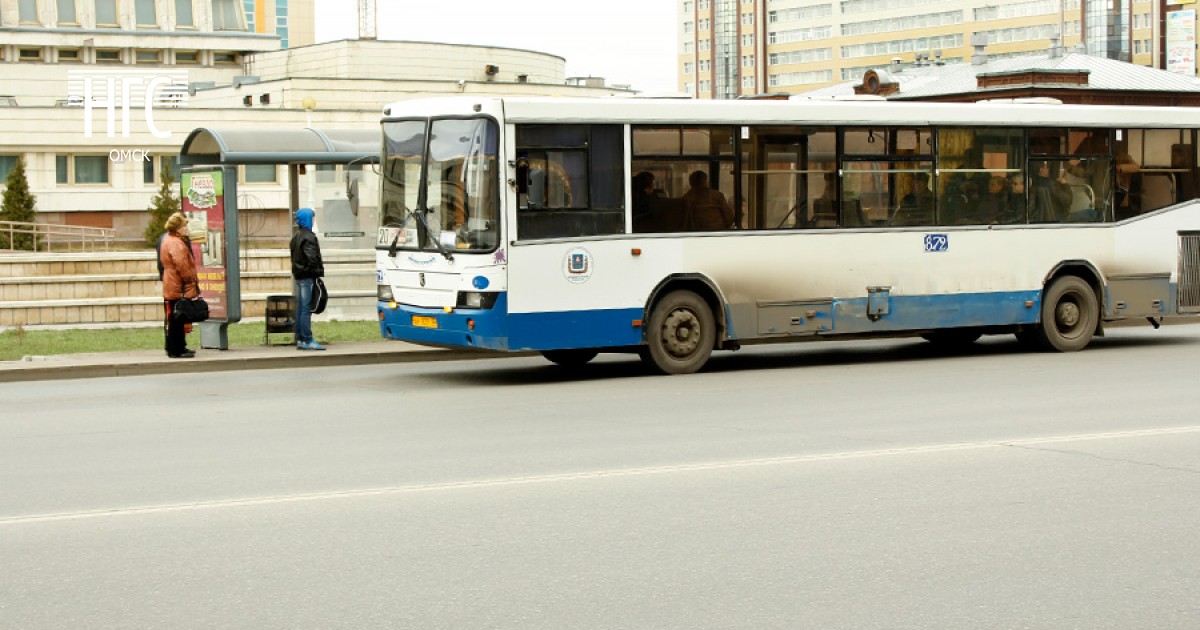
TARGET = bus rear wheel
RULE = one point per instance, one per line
(1070, 313)
(570, 358)
(681, 334)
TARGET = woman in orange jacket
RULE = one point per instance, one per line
(179, 281)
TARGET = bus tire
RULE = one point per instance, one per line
(681, 334)
(1070, 313)
(952, 337)
(574, 357)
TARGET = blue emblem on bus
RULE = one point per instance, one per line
(577, 266)
(937, 242)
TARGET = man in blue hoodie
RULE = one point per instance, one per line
(306, 267)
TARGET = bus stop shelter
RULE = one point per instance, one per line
(211, 155)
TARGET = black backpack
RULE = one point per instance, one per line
(320, 296)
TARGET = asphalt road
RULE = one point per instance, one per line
(835, 485)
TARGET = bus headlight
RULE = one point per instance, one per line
(476, 299)
(384, 292)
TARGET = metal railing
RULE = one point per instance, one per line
(42, 237)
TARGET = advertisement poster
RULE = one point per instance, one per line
(203, 200)
(1181, 42)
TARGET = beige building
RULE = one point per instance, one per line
(98, 96)
(731, 48)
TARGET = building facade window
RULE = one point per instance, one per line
(106, 12)
(1016, 10)
(225, 58)
(108, 56)
(748, 81)
(800, 78)
(152, 169)
(29, 54)
(800, 14)
(7, 163)
(799, 35)
(228, 15)
(145, 13)
(747, 61)
(68, 55)
(875, 6)
(800, 56)
(902, 23)
(747, 40)
(902, 46)
(748, 19)
(148, 56)
(27, 12)
(187, 57)
(66, 13)
(184, 14)
(689, 47)
(688, 28)
(81, 169)
(688, 67)
(259, 174)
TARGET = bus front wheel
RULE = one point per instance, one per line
(570, 358)
(1070, 313)
(681, 334)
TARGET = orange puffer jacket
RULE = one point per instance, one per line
(179, 269)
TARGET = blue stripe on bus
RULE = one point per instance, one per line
(496, 329)
(921, 312)
(604, 328)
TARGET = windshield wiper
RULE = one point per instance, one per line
(420, 214)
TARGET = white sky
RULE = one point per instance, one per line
(625, 41)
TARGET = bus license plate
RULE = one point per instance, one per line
(423, 321)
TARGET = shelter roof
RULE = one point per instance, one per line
(242, 145)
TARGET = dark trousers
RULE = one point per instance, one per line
(176, 338)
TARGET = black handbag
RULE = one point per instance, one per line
(320, 296)
(190, 310)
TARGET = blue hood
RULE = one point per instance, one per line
(304, 218)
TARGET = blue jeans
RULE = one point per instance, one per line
(304, 290)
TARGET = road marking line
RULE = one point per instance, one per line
(596, 474)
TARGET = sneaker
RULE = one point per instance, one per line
(187, 354)
(309, 345)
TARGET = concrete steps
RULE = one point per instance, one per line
(123, 287)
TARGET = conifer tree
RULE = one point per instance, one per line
(19, 206)
(162, 206)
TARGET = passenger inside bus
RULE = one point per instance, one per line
(1049, 198)
(1128, 194)
(707, 209)
(1016, 199)
(916, 208)
(994, 205)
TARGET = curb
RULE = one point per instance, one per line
(26, 373)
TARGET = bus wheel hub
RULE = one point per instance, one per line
(681, 333)
(1068, 314)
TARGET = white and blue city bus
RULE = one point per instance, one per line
(567, 226)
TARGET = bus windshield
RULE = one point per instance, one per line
(439, 190)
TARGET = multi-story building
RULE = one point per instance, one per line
(98, 95)
(731, 48)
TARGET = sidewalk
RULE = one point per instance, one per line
(102, 364)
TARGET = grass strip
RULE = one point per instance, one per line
(19, 342)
